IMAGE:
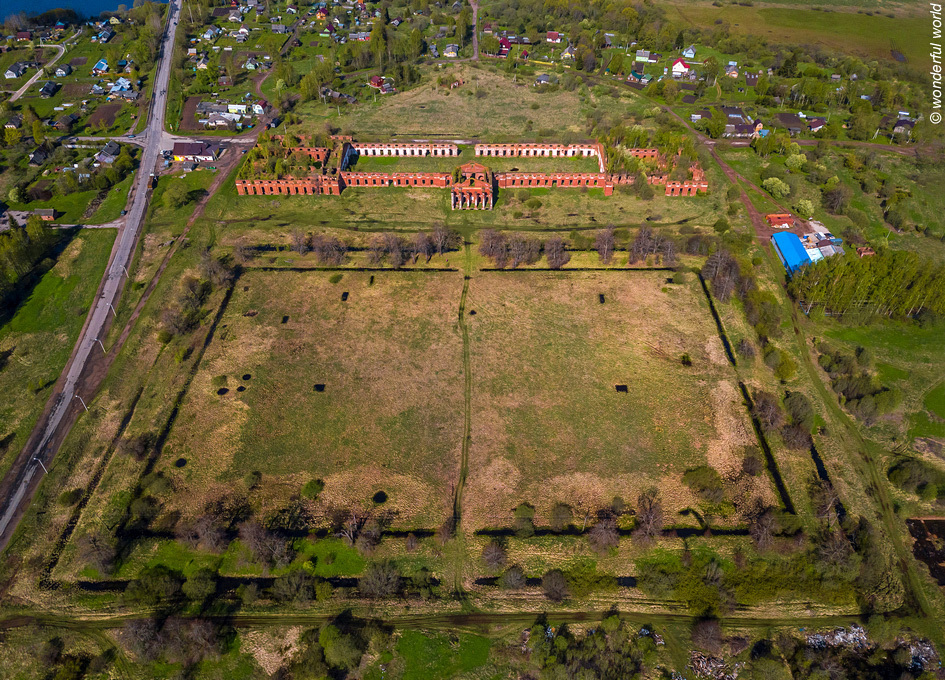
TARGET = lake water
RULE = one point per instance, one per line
(84, 8)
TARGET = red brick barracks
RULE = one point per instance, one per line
(473, 186)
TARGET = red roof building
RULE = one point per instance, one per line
(553, 37)
(376, 81)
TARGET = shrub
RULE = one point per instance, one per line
(70, 497)
(706, 482)
(561, 516)
(313, 488)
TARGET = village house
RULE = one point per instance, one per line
(680, 69)
(48, 89)
(45, 214)
(791, 122)
(38, 157)
(23, 36)
(751, 79)
(699, 115)
(553, 37)
(16, 70)
(903, 126)
(279, 29)
(235, 16)
(63, 71)
(109, 153)
(568, 52)
(451, 51)
(689, 52)
(65, 123)
(15, 122)
(100, 68)
(816, 124)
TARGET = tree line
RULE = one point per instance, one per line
(21, 249)
(890, 284)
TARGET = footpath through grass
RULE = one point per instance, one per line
(36, 342)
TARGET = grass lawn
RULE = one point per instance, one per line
(114, 202)
(547, 422)
(390, 415)
(420, 655)
(37, 341)
(69, 208)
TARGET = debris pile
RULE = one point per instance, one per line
(924, 656)
(854, 638)
(712, 667)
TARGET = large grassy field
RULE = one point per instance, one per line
(36, 342)
(389, 418)
(488, 106)
(548, 424)
(868, 36)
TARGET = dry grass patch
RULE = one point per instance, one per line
(390, 415)
(548, 423)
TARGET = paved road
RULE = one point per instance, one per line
(60, 50)
(112, 285)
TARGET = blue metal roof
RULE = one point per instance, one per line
(790, 251)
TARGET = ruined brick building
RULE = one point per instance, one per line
(472, 185)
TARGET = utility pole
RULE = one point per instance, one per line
(41, 464)
(83, 402)
(100, 345)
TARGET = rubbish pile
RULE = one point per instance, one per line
(712, 667)
(852, 638)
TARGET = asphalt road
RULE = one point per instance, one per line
(120, 257)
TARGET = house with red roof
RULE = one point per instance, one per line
(553, 37)
(680, 68)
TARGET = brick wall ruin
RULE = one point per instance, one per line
(396, 149)
(477, 185)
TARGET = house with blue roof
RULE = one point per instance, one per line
(790, 251)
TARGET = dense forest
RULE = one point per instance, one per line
(890, 284)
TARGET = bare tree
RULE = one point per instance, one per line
(605, 242)
(381, 579)
(267, 548)
(98, 550)
(494, 245)
(767, 410)
(762, 527)
(376, 250)
(513, 578)
(369, 537)
(329, 250)
(204, 533)
(824, 499)
(649, 517)
(300, 241)
(556, 253)
(445, 239)
(143, 638)
(603, 535)
(394, 246)
(494, 555)
(524, 249)
(422, 245)
(555, 585)
(241, 253)
(707, 635)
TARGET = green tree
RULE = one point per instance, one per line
(776, 187)
(11, 136)
(39, 132)
(175, 195)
